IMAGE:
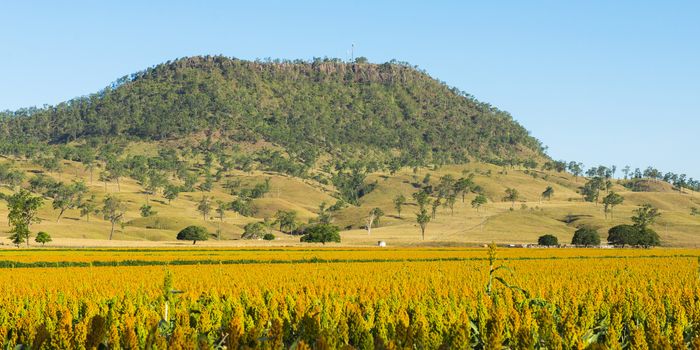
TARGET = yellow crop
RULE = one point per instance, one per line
(555, 299)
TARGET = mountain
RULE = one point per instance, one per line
(309, 108)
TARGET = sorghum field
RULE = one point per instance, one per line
(350, 298)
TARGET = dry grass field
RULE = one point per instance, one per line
(530, 217)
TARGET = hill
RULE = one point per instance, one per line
(325, 106)
(226, 144)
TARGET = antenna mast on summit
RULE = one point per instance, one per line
(352, 53)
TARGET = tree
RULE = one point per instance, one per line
(645, 216)
(193, 233)
(204, 207)
(586, 236)
(286, 219)
(478, 201)
(23, 211)
(171, 192)
(221, 210)
(512, 195)
(450, 202)
(611, 201)
(399, 201)
(548, 193)
(633, 235)
(548, 240)
(422, 198)
(325, 214)
(147, 210)
(42, 237)
(113, 210)
(321, 233)
(88, 207)
(422, 218)
(623, 235)
(436, 203)
(253, 230)
(67, 197)
(374, 216)
(464, 185)
(591, 189)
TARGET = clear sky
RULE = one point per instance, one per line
(601, 82)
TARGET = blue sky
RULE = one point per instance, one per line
(601, 82)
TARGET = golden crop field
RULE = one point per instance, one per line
(352, 298)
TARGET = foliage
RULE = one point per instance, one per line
(113, 210)
(317, 106)
(42, 237)
(321, 233)
(611, 201)
(633, 236)
(645, 216)
(548, 240)
(147, 210)
(478, 201)
(422, 218)
(586, 236)
(254, 230)
(399, 201)
(512, 195)
(193, 233)
(268, 237)
(23, 212)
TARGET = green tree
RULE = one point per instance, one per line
(88, 207)
(286, 220)
(67, 197)
(171, 192)
(422, 218)
(464, 185)
(23, 212)
(42, 237)
(548, 240)
(147, 210)
(478, 201)
(113, 210)
(253, 230)
(374, 216)
(611, 201)
(193, 233)
(586, 236)
(321, 233)
(645, 216)
(512, 195)
(204, 207)
(399, 201)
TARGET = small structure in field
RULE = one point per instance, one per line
(381, 244)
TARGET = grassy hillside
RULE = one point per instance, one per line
(530, 218)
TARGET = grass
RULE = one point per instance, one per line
(529, 219)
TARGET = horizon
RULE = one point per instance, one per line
(611, 86)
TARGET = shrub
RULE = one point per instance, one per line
(586, 236)
(633, 235)
(193, 233)
(269, 237)
(42, 237)
(322, 233)
(548, 240)
(253, 230)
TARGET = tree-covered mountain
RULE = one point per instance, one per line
(309, 108)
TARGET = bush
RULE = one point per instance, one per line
(322, 233)
(586, 236)
(193, 233)
(548, 240)
(42, 237)
(634, 236)
(269, 237)
(253, 230)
